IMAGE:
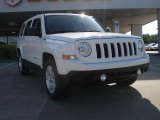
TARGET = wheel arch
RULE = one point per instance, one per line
(47, 56)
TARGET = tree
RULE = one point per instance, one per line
(150, 38)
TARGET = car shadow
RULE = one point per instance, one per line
(108, 102)
(25, 98)
(101, 103)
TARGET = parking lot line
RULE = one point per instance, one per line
(155, 61)
(2, 67)
(157, 64)
(152, 66)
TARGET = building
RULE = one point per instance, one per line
(120, 15)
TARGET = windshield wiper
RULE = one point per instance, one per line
(56, 32)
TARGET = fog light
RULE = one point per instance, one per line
(103, 77)
(139, 72)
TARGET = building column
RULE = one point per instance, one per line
(116, 25)
(136, 29)
(158, 19)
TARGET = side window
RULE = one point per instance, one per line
(37, 24)
(22, 29)
(27, 26)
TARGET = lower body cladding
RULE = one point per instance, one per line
(108, 75)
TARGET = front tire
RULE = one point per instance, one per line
(55, 86)
(126, 83)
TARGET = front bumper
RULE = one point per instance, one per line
(76, 65)
(113, 75)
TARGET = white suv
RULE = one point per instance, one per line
(76, 47)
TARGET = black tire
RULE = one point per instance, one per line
(56, 87)
(126, 83)
(22, 67)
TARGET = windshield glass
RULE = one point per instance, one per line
(71, 23)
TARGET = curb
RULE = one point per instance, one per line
(153, 53)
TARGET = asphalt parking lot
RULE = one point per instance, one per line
(25, 98)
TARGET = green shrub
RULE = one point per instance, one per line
(8, 52)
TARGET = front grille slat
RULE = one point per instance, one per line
(116, 50)
(109, 51)
(102, 51)
(125, 49)
(132, 48)
(128, 51)
(122, 49)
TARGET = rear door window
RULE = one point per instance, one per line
(37, 24)
(27, 26)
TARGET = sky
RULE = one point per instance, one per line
(150, 28)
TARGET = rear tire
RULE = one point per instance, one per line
(55, 86)
(126, 83)
(22, 67)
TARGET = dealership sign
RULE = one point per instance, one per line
(13, 2)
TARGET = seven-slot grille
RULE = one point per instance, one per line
(112, 50)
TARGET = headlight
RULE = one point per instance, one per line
(140, 45)
(84, 49)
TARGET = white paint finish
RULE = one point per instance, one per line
(78, 65)
(32, 49)
(44, 5)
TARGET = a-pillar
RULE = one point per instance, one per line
(136, 29)
(158, 19)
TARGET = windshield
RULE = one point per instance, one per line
(71, 23)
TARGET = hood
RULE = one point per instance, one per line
(73, 37)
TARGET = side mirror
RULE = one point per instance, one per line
(108, 29)
(34, 32)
